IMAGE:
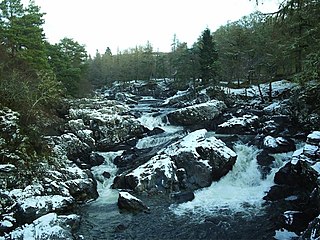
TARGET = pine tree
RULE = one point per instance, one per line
(208, 58)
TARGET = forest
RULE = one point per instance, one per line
(36, 76)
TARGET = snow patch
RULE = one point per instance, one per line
(283, 234)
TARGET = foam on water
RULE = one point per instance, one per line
(240, 191)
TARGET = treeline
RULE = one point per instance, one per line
(34, 74)
(258, 47)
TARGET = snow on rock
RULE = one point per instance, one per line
(310, 152)
(283, 234)
(279, 108)
(314, 138)
(158, 172)
(129, 202)
(103, 123)
(278, 145)
(186, 98)
(245, 124)
(279, 88)
(197, 114)
(33, 203)
(7, 168)
(190, 163)
(50, 226)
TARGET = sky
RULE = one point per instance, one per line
(123, 24)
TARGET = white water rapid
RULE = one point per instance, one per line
(240, 191)
(106, 193)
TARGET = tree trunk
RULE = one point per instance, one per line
(270, 91)
(260, 92)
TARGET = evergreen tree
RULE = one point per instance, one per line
(208, 57)
(22, 35)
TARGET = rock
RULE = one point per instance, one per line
(181, 197)
(197, 114)
(128, 202)
(265, 161)
(9, 211)
(69, 144)
(7, 168)
(278, 108)
(106, 175)
(313, 230)
(37, 206)
(299, 175)
(314, 138)
(155, 131)
(189, 163)
(95, 159)
(278, 145)
(156, 174)
(247, 124)
(50, 226)
(297, 194)
(198, 173)
(124, 181)
(72, 181)
(186, 98)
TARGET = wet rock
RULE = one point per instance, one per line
(296, 194)
(198, 173)
(197, 114)
(300, 175)
(297, 221)
(125, 182)
(313, 230)
(265, 161)
(246, 124)
(128, 202)
(181, 197)
(155, 131)
(96, 159)
(106, 175)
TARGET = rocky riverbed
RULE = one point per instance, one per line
(182, 165)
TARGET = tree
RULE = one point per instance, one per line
(68, 59)
(208, 57)
(22, 35)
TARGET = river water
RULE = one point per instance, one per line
(229, 209)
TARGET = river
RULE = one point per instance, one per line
(229, 209)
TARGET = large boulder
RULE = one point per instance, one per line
(186, 98)
(49, 226)
(246, 124)
(190, 163)
(197, 114)
(278, 144)
(103, 123)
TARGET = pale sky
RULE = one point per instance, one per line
(122, 24)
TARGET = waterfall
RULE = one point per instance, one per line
(240, 191)
(106, 193)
